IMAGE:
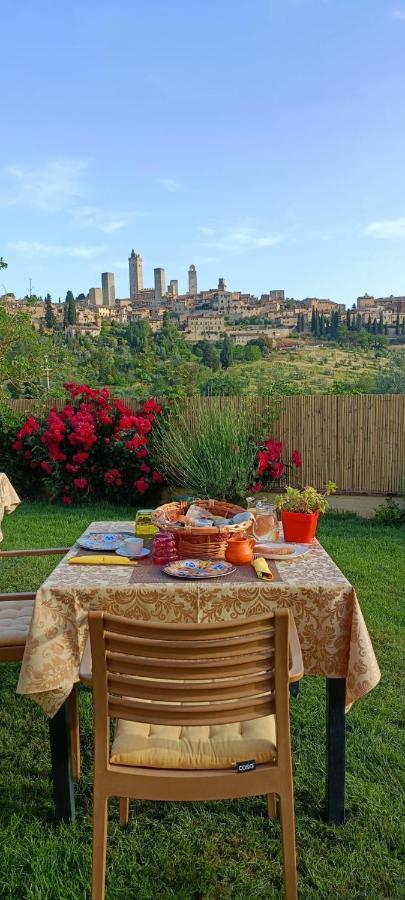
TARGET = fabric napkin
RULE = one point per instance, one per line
(261, 568)
(101, 561)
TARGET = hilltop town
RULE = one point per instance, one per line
(204, 314)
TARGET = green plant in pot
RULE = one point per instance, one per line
(300, 510)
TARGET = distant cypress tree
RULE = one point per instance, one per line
(69, 317)
(403, 327)
(385, 328)
(381, 324)
(226, 352)
(348, 319)
(313, 321)
(397, 325)
(368, 326)
(358, 322)
(49, 313)
(374, 327)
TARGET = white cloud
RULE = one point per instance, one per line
(48, 187)
(385, 229)
(245, 236)
(94, 217)
(37, 248)
(206, 229)
(170, 184)
(398, 14)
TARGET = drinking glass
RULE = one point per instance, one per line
(265, 527)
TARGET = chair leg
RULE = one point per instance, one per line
(100, 824)
(74, 732)
(271, 806)
(288, 845)
(124, 810)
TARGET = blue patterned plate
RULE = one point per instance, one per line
(106, 540)
(198, 568)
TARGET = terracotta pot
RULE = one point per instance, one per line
(299, 528)
(239, 550)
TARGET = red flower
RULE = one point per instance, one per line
(72, 469)
(27, 454)
(254, 488)
(151, 407)
(46, 467)
(157, 477)
(275, 449)
(80, 457)
(263, 459)
(17, 445)
(296, 458)
(66, 500)
(80, 483)
(144, 468)
(277, 469)
(142, 453)
(141, 485)
(113, 476)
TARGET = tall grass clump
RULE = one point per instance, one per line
(215, 454)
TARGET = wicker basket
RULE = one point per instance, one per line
(201, 543)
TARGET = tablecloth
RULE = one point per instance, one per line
(334, 638)
(8, 498)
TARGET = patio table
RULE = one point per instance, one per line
(334, 639)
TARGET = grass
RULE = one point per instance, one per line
(227, 849)
(316, 367)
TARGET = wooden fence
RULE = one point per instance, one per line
(356, 441)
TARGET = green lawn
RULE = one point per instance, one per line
(229, 849)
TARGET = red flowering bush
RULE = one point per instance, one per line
(94, 447)
(270, 464)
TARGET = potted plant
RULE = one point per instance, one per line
(300, 511)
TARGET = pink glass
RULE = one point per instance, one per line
(164, 548)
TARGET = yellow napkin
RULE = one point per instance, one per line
(261, 568)
(101, 561)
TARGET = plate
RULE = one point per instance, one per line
(198, 568)
(269, 551)
(144, 552)
(106, 540)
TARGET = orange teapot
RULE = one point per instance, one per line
(240, 550)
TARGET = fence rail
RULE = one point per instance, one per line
(356, 441)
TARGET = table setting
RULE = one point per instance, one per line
(109, 569)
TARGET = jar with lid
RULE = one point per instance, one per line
(164, 548)
(265, 526)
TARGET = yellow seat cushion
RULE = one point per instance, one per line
(194, 747)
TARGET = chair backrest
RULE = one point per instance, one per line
(193, 674)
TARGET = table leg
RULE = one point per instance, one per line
(336, 749)
(62, 781)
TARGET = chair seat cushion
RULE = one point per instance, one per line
(15, 620)
(194, 747)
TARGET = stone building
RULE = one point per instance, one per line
(135, 274)
(160, 284)
(192, 279)
(108, 288)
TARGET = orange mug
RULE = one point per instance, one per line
(239, 550)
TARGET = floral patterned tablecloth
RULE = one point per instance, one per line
(334, 639)
(9, 500)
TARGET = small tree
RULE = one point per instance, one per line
(69, 317)
(3, 264)
(49, 313)
(397, 325)
(226, 352)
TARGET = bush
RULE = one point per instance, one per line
(390, 513)
(94, 448)
(10, 421)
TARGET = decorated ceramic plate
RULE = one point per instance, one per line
(103, 540)
(281, 550)
(198, 568)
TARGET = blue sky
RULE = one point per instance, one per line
(263, 141)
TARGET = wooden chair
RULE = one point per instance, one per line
(15, 618)
(224, 687)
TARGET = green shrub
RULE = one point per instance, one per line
(390, 513)
(10, 422)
